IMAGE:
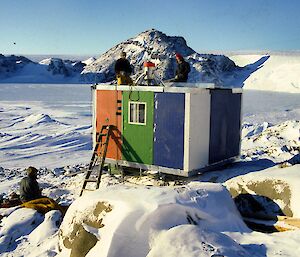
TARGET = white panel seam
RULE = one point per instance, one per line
(187, 116)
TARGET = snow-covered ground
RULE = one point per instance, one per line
(44, 125)
(49, 126)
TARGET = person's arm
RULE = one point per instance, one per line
(128, 67)
(35, 188)
(117, 67)
(185, 69)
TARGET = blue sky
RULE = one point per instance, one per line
(91, 27)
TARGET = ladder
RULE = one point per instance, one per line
(99, 154)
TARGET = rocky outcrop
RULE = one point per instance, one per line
(57, 66)
(77, 237)
(266, 194)
(78, 66)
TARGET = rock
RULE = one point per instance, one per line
(57, 66)
(58, 171)
(78, 67)
(74, 235)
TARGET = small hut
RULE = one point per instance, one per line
(180, 129)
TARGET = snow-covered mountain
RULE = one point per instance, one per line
(149, 45)
(155, 46)
(11, 65)
(20, 69)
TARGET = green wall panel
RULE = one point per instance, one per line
(138, 139)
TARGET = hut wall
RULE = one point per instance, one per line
(197, 130)
(138, 139)
(169, 130)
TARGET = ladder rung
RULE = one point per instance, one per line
(101, 134)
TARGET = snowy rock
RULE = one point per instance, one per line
(89, 61)
(127, 220)
(268, 193)
(192, 241)
(57, 66)
(78, 66)
(58, 171)
(47, 228)
(71, 169)
(19, 223)
(75, 234)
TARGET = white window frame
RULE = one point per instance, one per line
(136, 113)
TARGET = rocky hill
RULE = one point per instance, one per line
(155, 46)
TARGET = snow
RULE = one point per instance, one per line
(49, 126)
(135, 222)
(89, 60)
(278, 73)
(54, 124)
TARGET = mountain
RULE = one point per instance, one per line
(155, 46)
(19, 69)
(12, 64)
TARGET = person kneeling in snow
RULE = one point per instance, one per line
(29, 187)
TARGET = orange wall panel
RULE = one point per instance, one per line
(108, 112)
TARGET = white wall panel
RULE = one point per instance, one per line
(199, 128)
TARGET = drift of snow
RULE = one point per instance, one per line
(278, 73)
(132, 226)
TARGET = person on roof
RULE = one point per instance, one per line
(182, 70)
(123, 70)
(29, 187)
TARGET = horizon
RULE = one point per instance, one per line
(91, 28)
(40, 57)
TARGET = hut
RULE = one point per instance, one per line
(180, 129)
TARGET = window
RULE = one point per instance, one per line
(137, 113)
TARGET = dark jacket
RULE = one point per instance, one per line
(123, 65)
(29, 189)
(182, 71)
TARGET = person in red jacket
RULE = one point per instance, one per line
(182, 70)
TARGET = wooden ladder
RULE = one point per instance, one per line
(99, 154)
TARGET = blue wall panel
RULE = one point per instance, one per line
(169, 129)
(225, 125)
